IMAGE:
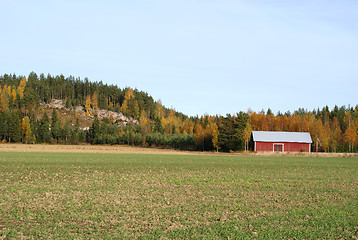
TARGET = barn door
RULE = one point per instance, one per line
(278, 147)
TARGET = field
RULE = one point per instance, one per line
(106, 195)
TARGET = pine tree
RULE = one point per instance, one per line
(67, 131)
(14, 129)
(3, 126)
(55, 125)
(157, 126)
(44, 134)
(95, 131)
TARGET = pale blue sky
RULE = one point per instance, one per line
(198, 56)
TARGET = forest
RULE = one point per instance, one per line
(23, 119)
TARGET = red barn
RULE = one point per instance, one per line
(281, 141)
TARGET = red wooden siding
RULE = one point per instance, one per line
(287, 146)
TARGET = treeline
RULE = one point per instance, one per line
(75, 92)
(331, 130)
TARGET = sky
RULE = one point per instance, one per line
(196, 56)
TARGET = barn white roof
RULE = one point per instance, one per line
(268, 136)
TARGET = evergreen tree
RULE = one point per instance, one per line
(14, 129)
(55, 125)
(227, 139)
(158, 127)
(334, 129)
(95, 131)
(44, 133)
(231, 130)
(4, 126)
(66, 132)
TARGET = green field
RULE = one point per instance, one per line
(70, 195)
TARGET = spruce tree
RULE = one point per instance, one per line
(14, 123)
(44, 134)
(95, 131)
(55, 125)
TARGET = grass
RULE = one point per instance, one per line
(76, 195)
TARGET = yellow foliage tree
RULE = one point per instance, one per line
(270, 119)
(9, 91)
(144, 122)
(199, 135)
(28, 133)
(336, 132)
(247, 135)
(13, 95)
(321, 135)
(277, 125)
(350, 136)
(4, 99)
(348, 119)
(164, 122)
(127, 96)
(215, 136)
(308, 123)
(135, 110)
(254, 121)
(325, 138)
(294, 123)
(124, 106)
(94, 100)
(159, 109)
(88, 103)
(21, 88)
(188, 126)
(263, 126)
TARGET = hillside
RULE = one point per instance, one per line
(70, 114)
(68, 110)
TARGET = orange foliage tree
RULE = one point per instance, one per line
(350, 136)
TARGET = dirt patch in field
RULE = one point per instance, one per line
(120, 149)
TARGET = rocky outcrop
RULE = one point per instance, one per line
(117, 117)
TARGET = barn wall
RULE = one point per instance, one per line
(288, 147)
